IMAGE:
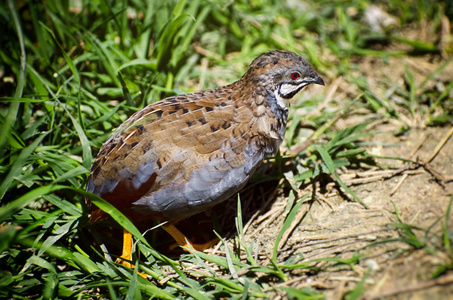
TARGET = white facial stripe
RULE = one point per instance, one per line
(304, 83)
(288, 89)
(280, 100)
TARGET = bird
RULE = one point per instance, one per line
(187, 153)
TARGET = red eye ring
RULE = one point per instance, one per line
(295, 75)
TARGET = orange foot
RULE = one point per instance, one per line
(126, 256)
(183, 241)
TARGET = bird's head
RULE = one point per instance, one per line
(282, 74)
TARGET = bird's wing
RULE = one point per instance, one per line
(177, 157)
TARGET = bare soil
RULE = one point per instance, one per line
(331, 224)
(342, 228)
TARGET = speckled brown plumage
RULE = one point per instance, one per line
(184, 154)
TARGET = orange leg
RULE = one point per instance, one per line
(183, 241)
(126, 256)
(127, 249)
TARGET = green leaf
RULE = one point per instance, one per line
(301, 294)
(350, 153)
(10, 119)
(72, 173)
(51, 240)
(359, 289)
(166, 42)
(36, 260)
(138, 62)
(117, 216)
(86, 263)
(68, 60)
(9, 209)
(133, 292)
(331, 167)
(16, 167)
(86, 149)
(289, 219)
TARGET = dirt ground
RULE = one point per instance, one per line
(339, 228)
(333, 227)
(330, 224)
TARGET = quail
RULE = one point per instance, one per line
(184, 154)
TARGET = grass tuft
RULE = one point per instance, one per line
(72, 71)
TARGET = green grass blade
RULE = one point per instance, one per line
(16, 167)
(68, 60)
(447, 233)
(133, 292)
(358, 290)
(301, 294)
(331, 167)
(5, 132)
(117, 216)
(289, 219)
(240, 229)
(167, 41)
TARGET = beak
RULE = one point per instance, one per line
(317, 79)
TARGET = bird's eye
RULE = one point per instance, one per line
(295, 75)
